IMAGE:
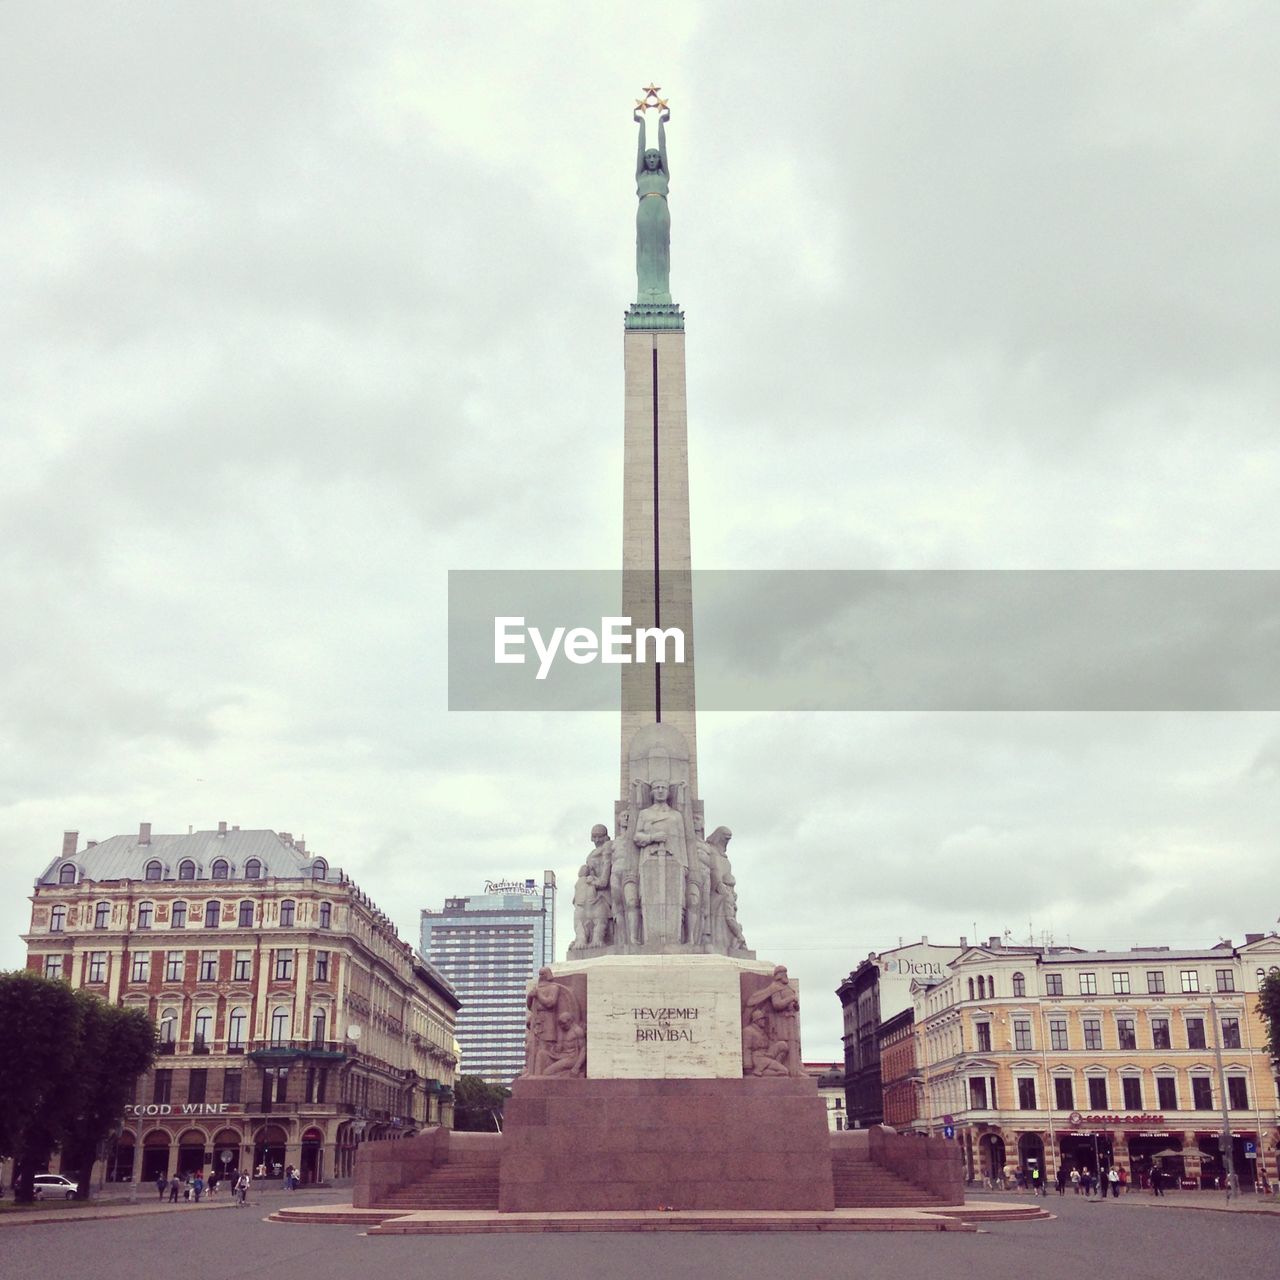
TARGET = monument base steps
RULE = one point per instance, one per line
(860, 1184)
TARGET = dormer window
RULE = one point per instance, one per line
(67, 873)
(319, 869)
(186, 869)
(221, 870)
(253, 869)
(154, 870)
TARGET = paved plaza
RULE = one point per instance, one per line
(1133, 1237)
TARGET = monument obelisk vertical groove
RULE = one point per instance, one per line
(656, 558)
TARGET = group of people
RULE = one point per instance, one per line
(193, 1188)
(1083, 1181)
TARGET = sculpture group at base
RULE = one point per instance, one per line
(555, 1033)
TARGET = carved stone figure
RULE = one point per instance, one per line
(590, 910)
(653, 218)
(727, 901)
(624, 885)
(726, 933)
(780, 1002)
(569, 1056)
(762, 1056)
(661, 838)
(548, 1002)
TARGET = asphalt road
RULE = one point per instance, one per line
(1132, 1240)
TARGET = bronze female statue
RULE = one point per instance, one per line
(653, 218)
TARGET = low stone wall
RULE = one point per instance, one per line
(932, 1163)
(385, 1166)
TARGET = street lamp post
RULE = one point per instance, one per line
(1224, 1141)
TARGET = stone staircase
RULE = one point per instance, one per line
(471, 1185)
(861, 1184)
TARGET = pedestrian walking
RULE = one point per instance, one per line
(197, 1187)
(1061, 1180)
(1075, 1180)
(162, 1185)
(242, 1189)
(1124, 1180)
(174, 1184)
(1155, 1183)
(1113, 1179)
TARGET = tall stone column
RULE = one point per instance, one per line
(656, 557)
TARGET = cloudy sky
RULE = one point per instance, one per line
(304, 305)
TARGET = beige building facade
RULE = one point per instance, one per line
(1057, 1057)
(293, 1022)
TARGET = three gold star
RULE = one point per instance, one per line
(651, 99)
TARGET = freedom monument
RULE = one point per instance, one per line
(663, 1063)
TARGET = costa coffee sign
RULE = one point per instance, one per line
(1128, 1121)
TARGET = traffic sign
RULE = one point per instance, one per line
(948, 1131)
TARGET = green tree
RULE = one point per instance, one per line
(478, 1105)
(1269, 1008)
(114, 1048)
(39, 1037)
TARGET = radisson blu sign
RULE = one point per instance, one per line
(511, 886)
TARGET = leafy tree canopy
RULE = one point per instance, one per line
(477, 1105)
(1269, 1007)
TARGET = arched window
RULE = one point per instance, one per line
(1019, 985)
(154, 870)
(286, 913)
(168, 1028)
(186, 869)
(212, 914)
(280, 1024)
(202, 1027)
(221, 870)
(317, 1027)
(146, 914)
(326, 915)
(245, 920)
(253, 869)
(982, 987)
(102, 915)
(970, 988)
(178, 917)
(236, 1023)
(319, 869)
(67, 873)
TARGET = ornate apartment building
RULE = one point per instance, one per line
(293, 1022)
(1049, 1056)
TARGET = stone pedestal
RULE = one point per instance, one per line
(690, 1144)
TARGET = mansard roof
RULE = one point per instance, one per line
(126, 857)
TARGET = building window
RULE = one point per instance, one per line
(1231, 1033)
(253, 869)
(1237, 1093)
(284, 964)
(102, 915)
(202, 1027)
(53, 966)
(1131, 1086)
(982, 988)
(1126, 1033)
(208, 966)
(1053, 984)
(154, 870)
(282, 1084)
(322, 966)
(971, 994)
(178, 917)
(279, 1025)
(235, 1031)
(286, 914)
(242, 966)
(1063, 1094)
(1088, 984)
(97, 966)
(1019, 985)
(1026, 1094)
(1160, 1033)
(212, 914)
(168, 1029)
(220, 869)
(1201, 1093)
(1195, 1033)
(1092, 1033)
(231, 1086)
(1021, 1034)
(1120, 984)
(1155, 982)
(1167, 1093)
(1097, 1093)
(319, 869)
(146, 914)
(317, 1027)
(162, 1087)
(984, 1036)
(186, 869)
(1058, 1033)
(58, 920)
(173, 966)
(140, 970)
(67, 873)
(326, 915)
(198, 1084)
(246, 915)
(1226, 980)
(977, 1093)
(1190, 980)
